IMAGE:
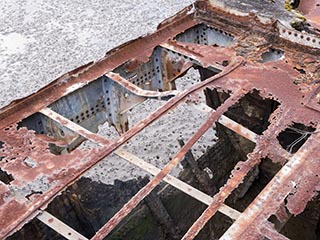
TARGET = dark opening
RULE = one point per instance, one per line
(35, 229)
(252, 111)
(253, 184)
(5, 177)
(294, 136)
(272, 55)
(305, 225)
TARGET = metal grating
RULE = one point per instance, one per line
(39, 135)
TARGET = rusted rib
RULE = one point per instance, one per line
(229, 123)
(138, 91)
(193, 192)
(238, 174)
(74, 127)
(135, 200)
(140, 49)
(72, 174)
(202, 54)
(271, 233)
(175, 182)
(268, 201)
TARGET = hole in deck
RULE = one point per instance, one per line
(253, 184)
(252, 111)
(300, 70)
(306, 225)
(5, 177)
(294, 136)
(272, 55)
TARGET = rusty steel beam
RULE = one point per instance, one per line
(263, 202)
(175, 182)
(138, 91)
(199, 55)
(75, 127)
(277, 189)
(275, 60)
(229, 123)
(94, 158)
(90, 72)
(150, 168)
(237, 176)
(225, 191)
(135, 200)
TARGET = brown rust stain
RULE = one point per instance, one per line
(291, 81)
(311, 10)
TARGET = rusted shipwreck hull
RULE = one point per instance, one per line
(239, 52)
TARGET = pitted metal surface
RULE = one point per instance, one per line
(249, 52)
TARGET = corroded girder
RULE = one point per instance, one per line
(241, 52)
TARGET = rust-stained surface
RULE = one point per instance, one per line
(245, 52)
(311, 9)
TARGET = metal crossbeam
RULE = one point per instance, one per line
(59, 226)
(178, 184)
(186, 188)
(136, 199)
(280, 185)
(138, 91)
(74, 127)
(211, 38)
(229, 123)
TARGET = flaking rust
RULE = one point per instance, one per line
(244, 52)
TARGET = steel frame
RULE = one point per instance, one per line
(147, 68)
